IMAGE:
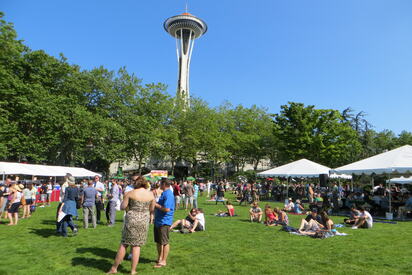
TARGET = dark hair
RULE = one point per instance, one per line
(166, 182)
(324, 216)
(362, 209)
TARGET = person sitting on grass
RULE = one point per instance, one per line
(282, 217)
(354, 215)
(298, 208)
(313, 227)
(255, 213)
(289, 206)
(230, 211)
(200, 216)
(190, 222)
(365, 220)
(270, 215)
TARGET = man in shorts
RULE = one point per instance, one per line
(164, 210)
(255, 213)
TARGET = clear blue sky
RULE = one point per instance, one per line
(329, 53)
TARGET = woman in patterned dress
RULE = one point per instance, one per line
(139, 205)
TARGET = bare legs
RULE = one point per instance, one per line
(135, 258)
(16, 218)
(119, 258)
(163, 252)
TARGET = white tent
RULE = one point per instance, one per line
(396, 161)
(401, 180)
(12, 168)
(302, 168)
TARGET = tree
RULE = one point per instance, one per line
(318, 135)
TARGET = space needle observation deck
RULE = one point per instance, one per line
(185, 28)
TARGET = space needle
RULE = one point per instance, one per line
(185, 28)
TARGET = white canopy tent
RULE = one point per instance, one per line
(401, 180)
(13, 168)
(396, 161)
(302, 168)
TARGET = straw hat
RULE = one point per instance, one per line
(71, 180)
(16, 187)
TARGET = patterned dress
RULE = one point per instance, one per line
(136, 223)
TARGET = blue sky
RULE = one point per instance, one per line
(330, 53)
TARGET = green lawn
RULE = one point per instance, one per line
(229, 246)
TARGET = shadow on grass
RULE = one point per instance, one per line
(43, 232)
(101, 264)
(107, 253)
(48, 222)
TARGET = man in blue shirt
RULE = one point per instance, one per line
(89, 201)
(164, 211)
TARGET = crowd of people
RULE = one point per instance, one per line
(333, 198)
(144, 203)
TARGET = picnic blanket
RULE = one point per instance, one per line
(326, 235)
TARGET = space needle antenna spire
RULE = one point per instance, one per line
(185, 28)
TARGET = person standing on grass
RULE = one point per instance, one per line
(139, 205)
(28, 195)
(99, 186)
(15, 204)
(220, 193)
(4, 193)
(189, 191)
(89, 203)
(195, 194)
(68, 207)
(177, 194)
(111, 204)
(164, 211)
(49, 192)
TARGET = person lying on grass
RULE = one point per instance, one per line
(230, 211)
(255, 213)
(364, 220)
(270, 216)
(190, 222)
(313, 227)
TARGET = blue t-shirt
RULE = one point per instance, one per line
(89, 194)
(166, 200)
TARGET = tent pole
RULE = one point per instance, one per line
(390, 194)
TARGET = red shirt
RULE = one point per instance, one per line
(176, 190)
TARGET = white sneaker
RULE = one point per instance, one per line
(354, 227)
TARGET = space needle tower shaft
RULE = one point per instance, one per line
(185, 28)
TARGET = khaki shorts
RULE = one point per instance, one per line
(161, 234)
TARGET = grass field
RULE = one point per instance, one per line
(229, 246)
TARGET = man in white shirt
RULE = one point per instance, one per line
(201, 226)
(99, 186)
(365, 220)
